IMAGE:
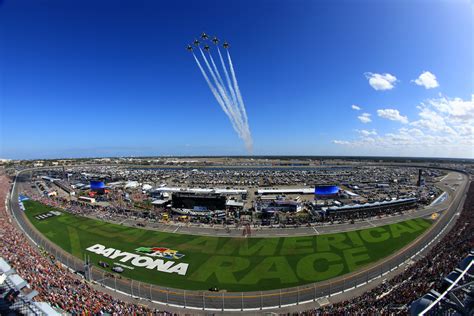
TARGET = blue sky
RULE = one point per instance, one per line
(106, 78)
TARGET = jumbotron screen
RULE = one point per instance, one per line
(326, 190)
(97, 185)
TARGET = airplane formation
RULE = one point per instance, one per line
(223, 85)
(205, 37)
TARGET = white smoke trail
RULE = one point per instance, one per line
(226, 73)
(217, 73)
(233, 106)
(216, 95)
(221, 91)
(248, 138)
(237, 90)
(236, 116)
(238, 108)
(229, 98)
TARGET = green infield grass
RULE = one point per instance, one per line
(234, 264)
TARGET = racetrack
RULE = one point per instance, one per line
(231, 264)
(257, 300)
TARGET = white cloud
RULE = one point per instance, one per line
(427, 80)
(412, 131)
(465, 130)
(365, 118)
(455, 108)
(355, 107)
(365, 132)
(341, 142)
(384, 81)
(432, 121)
(393, 115)
(445, 128)
(452, 116)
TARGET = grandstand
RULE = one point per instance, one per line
(370, 206)
(393, 296)
(286, 191)
(457, 293)
(64, 186)
(201, 190)
(16, 295)
(38, 277)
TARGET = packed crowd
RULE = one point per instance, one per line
(54, 283)
(395, 295)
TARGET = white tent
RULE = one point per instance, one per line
(131, 185)
(147, 187)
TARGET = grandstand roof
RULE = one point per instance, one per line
(201, 190)
(4, 266)
(234, 203)
(287, 191)
(368, 205)
(45, 308)
(11, 280)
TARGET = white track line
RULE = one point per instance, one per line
(372, 224)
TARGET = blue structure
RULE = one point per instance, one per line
(22, 198)
(97, 185)
(325, 190)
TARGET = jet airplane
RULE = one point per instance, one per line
(189, 48)
(215, 40)
(196, 43)
(204, 36)
(206, 48)
(225, 45)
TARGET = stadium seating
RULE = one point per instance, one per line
(54, 284)
(396, 295)
(63, 290)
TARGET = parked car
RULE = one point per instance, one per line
(103, 264)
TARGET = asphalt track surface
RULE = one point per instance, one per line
(455, 184)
